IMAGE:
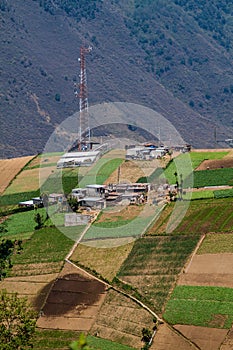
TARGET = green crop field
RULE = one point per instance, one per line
(119, 229)
(57, 339)
(185, 163)
(45, 245)
(154, 263)
(200, 306)
(202, 216)
(15, 198)
(217, 177)
(223, 193)
(20, 223)
(205, 194)
(217, 243)
(101, 171)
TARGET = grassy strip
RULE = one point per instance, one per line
(159, 259)
(200, 306)
(45, 245)
(100, 172)
(107, 169)
(115, 229)
(205, 194)
(15, 198)
(58, 339)
(217, 243)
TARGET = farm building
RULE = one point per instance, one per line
(145, 152)
(81, 158)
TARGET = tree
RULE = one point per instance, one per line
(81, 344)
(7, 248)
(73, 203)
(146, 337)
(39, 221)
(17, 322)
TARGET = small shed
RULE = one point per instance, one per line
(96, 190)
(93, 202)
(56, 198)
(26, 204)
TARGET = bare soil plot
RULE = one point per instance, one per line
(228, 342)
(73, 301)
(121, 320)
(216, 164)
(209, 270)
(29, 180)
(205, 338)
(167, 339)
(9, 168)
(106, 261)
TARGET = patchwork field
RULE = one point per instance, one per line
(59, 339)
(202, 216)
(121, 320)
(149, 267)
(153, 265)
(9, 168)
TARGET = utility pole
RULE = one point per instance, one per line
(84, 129)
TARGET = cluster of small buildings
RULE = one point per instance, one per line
(100, 196)
(145, 152)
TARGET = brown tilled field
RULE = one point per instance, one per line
(9, 168)
(226, 162)
(73, 301)
(205, 338)
(209, 270)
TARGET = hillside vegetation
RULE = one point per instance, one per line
(174, 56)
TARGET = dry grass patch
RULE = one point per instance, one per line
(29, 180)
(36, 269)
(9, 168)
(129, 172)
(105, 261)
(217, 243)
(125, 213)
(43, 160)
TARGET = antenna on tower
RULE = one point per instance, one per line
(84, 129)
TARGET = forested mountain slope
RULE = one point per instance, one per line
(174, 56)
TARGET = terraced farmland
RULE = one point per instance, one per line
(153, 265)
(202, 216)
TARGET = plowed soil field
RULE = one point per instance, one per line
(73, 301)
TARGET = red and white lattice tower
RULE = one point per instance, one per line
(84, 129)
